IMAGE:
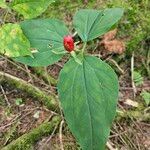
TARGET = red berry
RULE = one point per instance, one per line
(68, 43)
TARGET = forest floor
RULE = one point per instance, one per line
(23, 89)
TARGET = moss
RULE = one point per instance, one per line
(134, 24)
(48, 100)
(133, 114)
(26, 141)
(47, 78)
(2, 102)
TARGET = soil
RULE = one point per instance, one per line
(16, 120)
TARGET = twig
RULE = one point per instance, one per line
(132, 75)
(97, 55)
(7, 101)
(29, 74)
(18, 66)
(9, 124)
(138, 89)
(28, 113)
(116, 134)
(48, 140)
(60, 135)
(109, 146)
(17, 117)
(60, 129)
(75, 34)
(115, 63)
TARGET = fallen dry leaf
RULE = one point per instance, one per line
(131, 103)
(114, 46)
(110, 35)
(111, 44)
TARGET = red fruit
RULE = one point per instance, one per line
(68, 43)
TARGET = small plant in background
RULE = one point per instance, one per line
(19, 101)
(146, 96)
(138, 79)
(87, 87)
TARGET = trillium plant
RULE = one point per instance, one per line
(87, 86)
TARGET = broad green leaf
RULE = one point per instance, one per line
(3, 4)
(13, 42)
(91, 24)
(44, 35)
(30, 8)
(88, 95)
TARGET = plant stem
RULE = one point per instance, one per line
(84, 46)
(132, 75)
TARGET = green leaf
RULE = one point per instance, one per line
(91, 24)
(13, 42)
(18, 101)
(3, 4)
(137, 77)
(30, 8)
(88, 95)
(45, 35)
(146, 96)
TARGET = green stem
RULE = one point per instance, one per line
(84, 46)
(73, 54)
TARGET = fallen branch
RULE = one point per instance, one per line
(48, 100)
(26, 141)
(43, 74)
